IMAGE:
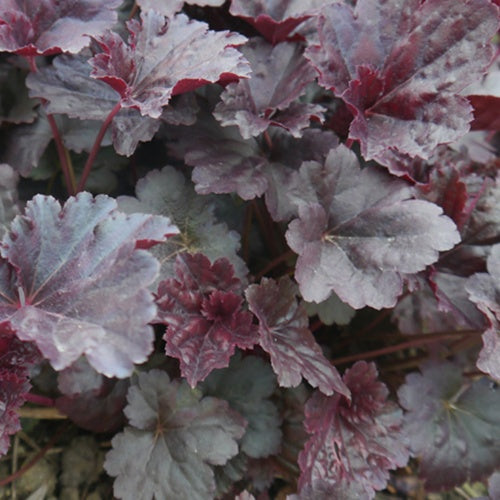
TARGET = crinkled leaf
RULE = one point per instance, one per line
(171, 7)
(16, 357)
(246, 384)
(284, 334)
(353, 445)
(403, 87)
(276, 19)
(358, 231)
(452, 424)
(33, 27)
(167, 192)
(173, 438)
(74, 282)
(165, 57)
(280, 75)
(225, 162)
(67, 88)
(202, 309)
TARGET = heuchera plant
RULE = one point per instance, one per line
(256, 244)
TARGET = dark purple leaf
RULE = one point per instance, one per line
(247, 384)
(202, 308)
(403, 87)
(485, 99)
(33, 27)
(74, 282)
(452, 424)
(276, 19)
(353, 444)
(174, 437)
(284, 334)
(67, 88)
(225, 162)
(269, 97)
(359, 231)
(165, 57)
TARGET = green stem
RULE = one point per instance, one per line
(97, 144)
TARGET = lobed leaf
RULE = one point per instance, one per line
(165, 57)
(359, 232)
(276, 19)
(74, 283)
(354, 443)
(202, 309)
(451, 420)
(174, 437)
(403, 87)
(284, 334)
(269, 97)
(247, 385)
(48, 27)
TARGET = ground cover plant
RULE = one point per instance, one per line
(251, 250)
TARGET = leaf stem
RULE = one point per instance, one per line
(37, 457)
(97, 144)
(62, 152)
(274, 263)
(428, 338)
(39, 400)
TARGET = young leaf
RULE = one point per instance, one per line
(167, 192)
(74, 282)
(359, 231)
(452, 424)
(269, 97)
(16, 357)
(31, 27)
(165, 57)
(174, 437)
(403, 87)
(247, 384)
(353, 444)
(202, 309)
(276, 19)
(285, 336)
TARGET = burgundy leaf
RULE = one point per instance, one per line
(74, 283)
(202, 310)
(403, 87)
(165, 57)
(280, 75)
(16, 357)
(47, 27)
(353, 444)
(284, 334)
(276, 19)
(485, 99)
(451, 420)
(174, 437)
(359, 231)
(67, 88)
